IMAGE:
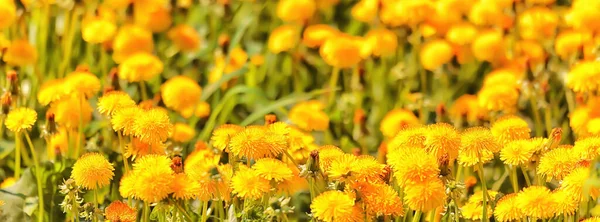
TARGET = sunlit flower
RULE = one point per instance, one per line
(126, 185)
(411, 136)
(183, 133)
(123, 119)
(119, 211)
(327, 154)
(478, 145)
(272, 169)
(113, 101)
(517, 152)
(137, 148)
(20, 53)
(342, 167)
(565, 202)
(365, 10)
(185, 37)
(583, 15)
(380, 199)
(180, 93)
(509, 128)
(8, 13)
(97, 30)
(69, 111)
(488, 46)
(153, 178)
(256, 142)
(584, 77)
(443, 141)
(131, 40)
(395, 120)
(425, 196)
(467, 106)
(341, 51)
(333, 206)
(570, 42)
(202, 110)
(51, 91)
(184, 187)
(283, 38)
(309, 116)
(413, 165)
(534, 201)
(200, 162)
(537, 23)
(315, 35)
(435, 53)
(296, 10)
(152, 126)
(587, 148)
(82, 83)
(247, 183)
(461, 33)
(222, 135)
(473, 209)
(498, 98)
(92, 171)
(507, 210)
(383, 42)
(154, 16)
(140, 66)
(20, 119)
(557, 163)
(575, 183)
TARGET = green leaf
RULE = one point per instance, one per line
(6, 147)
(213, 87)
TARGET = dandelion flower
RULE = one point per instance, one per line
(443, 141)
(557, 163)
(315, 35)
(119, 211)
(139, 148)
(20, 119)
(222, 136)
(50, 91)
(113, 101)
(565, 202)
(507, 210)
(425, 196)
(153, 178)
(283, 38)
(467, 106)
(327, 154)
(517, 152)
(368, 169)
(412, 136)
(478, 145)
(592, 219)
(381, 199)
(341, 51)
(575, 183)
(498, 98)
(183, 133)
(461, 34)
(332, 206)
(8, 12)
(342, 167)
(488, 46)
(131, 39)
(256, 142)
(70, 111)
(97, 30)
(126, 185)
(152, 126)
(185, 37)
(395, 120)
(82, 83)
(509, 128)
(247, 183)
(180, 93)
(413, 165)
(7, 182)
(309, 116)
(202, 110)
(473, 209)
(296, 10)
(272, 169)
(535, 201)
(20, 53)
(123, 119)
(587, 148)
(435, 53)
(199, 163)
(140, 67)
(184, 187)
(92, 171)
(537, 23)
(383, 41)
(584, 77)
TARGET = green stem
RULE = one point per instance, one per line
(95, 218)
(417, 216)
(121, 145)
(527, 180)
(335, 75)
(80, 128)
(38, 178)
(146, 213)
(423, 111)
(432, 216)
(536, 116)
(484, 216)
(183, 211)
(17, 156)
(143, 91)
(204, 211)
(513, 178)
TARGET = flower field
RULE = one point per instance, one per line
(299, 110)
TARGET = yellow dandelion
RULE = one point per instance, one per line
(478, 145)
(395, 120)
(138, 148)
(473, 209)
(584, 77)
(342, 167)
(20, 119)
(141, 66)
(333, 206)
(131, 39)
(185, 37)
(425, 196)
(222, 136)
(443, 141)
(557, 163)
(92, 171)
(97, 30)
(299, 139)
(272, 169)
(408, 137)
(507, 210)
(50, 91)
(20, 53)
(592, 219)
(256, 142)
(247, 183)
(180, 93)
(509, 128)
(327, 154)
(575, 183)
(202, 110)
(413, 165)
(8, 13)
(467, 106)
(535, 202)
(296, 10)
(587, 148)
(126, 185)
(368, 169)
(119, 211)
(82, 83)
(208, 189)
(565, 202)
(183, 133)
(109, 103)
(152, 126)
(153, 178)
(295, 184)
(69, 111)
(184, 187)
(309, 116)
(123, 119)
(200, 162)
(498, 98)
(381, 199)
(7, 182)
(517, 152)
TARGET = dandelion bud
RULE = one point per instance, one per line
(270, 119)
(50, 128)
(13, 80)
(359, 117)
(387, 174)
(113, 76)
(6, 101)
(312, 164)
(224, 42)
(177, 164)
(356, 151)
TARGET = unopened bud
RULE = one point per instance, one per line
(270, 119)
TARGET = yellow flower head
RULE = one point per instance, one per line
(569, 42)
(8, 182)
(223, 134)
(592, 219)
(368, 169)
(257, 142)
(199, 163)
(498, 98)
(123, 119)
(154, 16)
(425, 196)
(180, 93)
(126, 185)
(8, 13)
(536, 202)
(342, 167)
(383, 42)
(488, 46)
(584, 77)
(478, 145)
(505, 76)
(119, 211)
(509, 128)
(153, 178)
(333, 206)
(185, 38)
(579, 119)
(413, 165)
(467, 106)
(97, 30)
(296, 10)
(518, 152)
(295, 184)
(395, 120)
(410, 136)
(537, 23)
(565, 202)
(327, 154)
(485, 13)
(51, 91)
(435, 53)
(365, 10)
(140, 66)
(309, 116)
(247, 183)
(557, 163)
(184, 187)
(443, 141)
(575, 183)
(461, 34)
(138, 148)
(507, 210)
(341, 51)
(380, 199)
(113, 101)
(183, 133)
(82, 83)
(283, 38)
(152, 126)
(92, 171)
(130, 40)
(20, 53)
(587, 148)
(473, 209)
(20, 119)
(315, 35)
(272, 169)
(202, 110)
(68, 112)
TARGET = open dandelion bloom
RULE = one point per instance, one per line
(184, 187)
(257, 142)
(461, 34)
(131, 40)
(443, 141)
(183, 133)
(326, 155)
(565, 202)
(152, 178)
(342, 166)
(488, 46)
(51, 91)
(20, 119)
(537, 23)
(395, 120)
(413, 165)
(20, 53)
(82, 83)
(152, 126)
(535, 202)
(200, 162)
(473, 209)
(341, 51)
(467, 106)
(478, 145)
(575, 183)
(180, 93)
(380, 199)
(315, 35)
(587, 148)
(272, 169)
(123, 119)
(584, 77)
(69, 111)
(114, 101)
(97, 30)
(425, 196)
(185, 37)
(296, 10)
(309, 116)
(222, 135)
(498, 98)
(557, 163)
(154, 16)
(247, 183)
(570, 41)
(141, 66)
(138, 148)
(435, 53)
(517, 152)
(202, 110)
(119, 211)
(509, 128)
(8, 12)
(507, 210)
(283, 38)
(383, 42)
(333, 206)
(411, 136)
(92, 171)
